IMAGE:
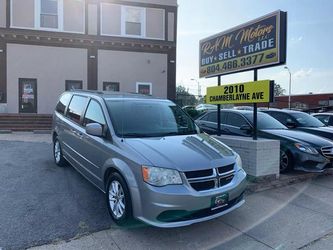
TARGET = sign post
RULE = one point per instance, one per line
(255, 110)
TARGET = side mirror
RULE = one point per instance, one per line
(291, 124)
(247, 128)
(94, 129)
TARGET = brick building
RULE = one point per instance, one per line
(306, 101)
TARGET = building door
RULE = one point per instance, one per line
(27, 95)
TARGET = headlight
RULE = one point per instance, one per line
(306, 149)
(239, 162)
(160, 176)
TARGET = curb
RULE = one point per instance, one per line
(284, 180)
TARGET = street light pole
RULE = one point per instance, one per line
(289, 87)
(199, 90)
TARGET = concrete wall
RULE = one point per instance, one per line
(127, 68)
(23, 13)
(171, 26)
(74, 16)
(51, 66)
(3, 13)
(155, 23)
(92, 19)
(260, 158)
(111, 19)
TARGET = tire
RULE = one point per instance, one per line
(57, 154)
(286, 161)
(119, 200)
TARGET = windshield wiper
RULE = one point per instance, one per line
(135, 135)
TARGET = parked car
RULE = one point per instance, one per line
(298, 150)
(205, 107)
(301, 121)
(191, 111)
(148, 157)
(326, 118)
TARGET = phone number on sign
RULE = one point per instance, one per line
(234, 64)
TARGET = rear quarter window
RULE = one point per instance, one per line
(76, 108)
(63, 103)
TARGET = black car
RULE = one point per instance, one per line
(298, 150)
(326, 118)
(301, 121)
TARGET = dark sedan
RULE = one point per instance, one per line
(298, 150)
(301, 121)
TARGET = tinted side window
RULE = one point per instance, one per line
(94, 114)
(323, 118)
(235, 120)
(76, 108)
(63, 102)
(281, 117)
(212, 117)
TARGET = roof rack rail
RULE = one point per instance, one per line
(86, 91)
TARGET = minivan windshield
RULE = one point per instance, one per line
(148, 118)
(265, 121)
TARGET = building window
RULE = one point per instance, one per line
(72, 85)
(144, 88)
(111, 86)
(49, 14)
(133, 21)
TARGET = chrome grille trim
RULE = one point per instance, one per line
(206, 181)
(327, 151)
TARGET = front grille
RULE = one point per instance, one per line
(208, 179)
(183, 215)
(327, 152)
(225, 169)
(199, 174)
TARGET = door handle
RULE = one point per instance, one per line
(78, 134)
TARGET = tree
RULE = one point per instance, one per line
(278, 90)
(183, 97)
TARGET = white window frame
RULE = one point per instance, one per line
(143, 21)
(123, 21)
(60, 16)
(147, 84)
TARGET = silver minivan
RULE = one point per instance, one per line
(148, 157)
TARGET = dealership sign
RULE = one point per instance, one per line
(249, 92)
(257, 44)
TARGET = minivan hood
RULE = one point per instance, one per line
(184, 153)
(300, 136)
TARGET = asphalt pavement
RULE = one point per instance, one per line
(41, 203)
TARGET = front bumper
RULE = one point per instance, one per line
(184, 205)
(311, 163)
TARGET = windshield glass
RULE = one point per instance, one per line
(306, 120)
(148, 118)
(265, 121)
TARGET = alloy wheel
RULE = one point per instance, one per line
(117, 199)
(57, 151)
(284, 161)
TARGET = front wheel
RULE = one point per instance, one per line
(286, 161)
(57, 154)
(119, 200)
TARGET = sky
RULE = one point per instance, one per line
(309, 41)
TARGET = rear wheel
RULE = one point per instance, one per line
(57, 153)
(119, 200)
(286, 161)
